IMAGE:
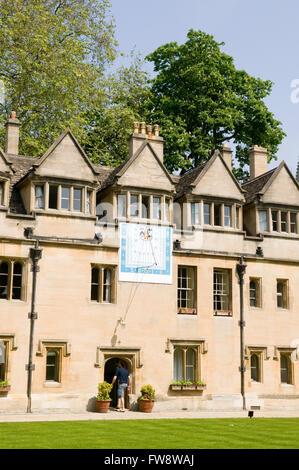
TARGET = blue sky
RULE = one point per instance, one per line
(262, 37)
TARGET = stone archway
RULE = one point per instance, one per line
(109, 371)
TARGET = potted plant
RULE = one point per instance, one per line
(103, 398)
(146, 399)
(4, 387)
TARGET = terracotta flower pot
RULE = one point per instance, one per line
(145, 405)
(102, 406)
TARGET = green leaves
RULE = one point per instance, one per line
(201, 100)
(53, 56)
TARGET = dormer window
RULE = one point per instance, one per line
(293, 222)
(263, 221)
(207, 214)
(217, 214)
(63, 198)
(145, 201)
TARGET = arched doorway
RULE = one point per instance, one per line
(109, 372)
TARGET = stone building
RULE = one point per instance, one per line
(190, 280)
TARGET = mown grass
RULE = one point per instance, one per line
(242, 433)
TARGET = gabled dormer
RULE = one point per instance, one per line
(140, 189)
(210, 196)
(61, 182)
(272, 198)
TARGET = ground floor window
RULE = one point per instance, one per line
(286, 368)
(255, 367)
(53, 365)
(185, 367)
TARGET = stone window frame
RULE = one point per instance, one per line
(9, 340)
(259, 299)
(165, 200)
(284, 295)
(100, 288)
(24, 263)
(64, 349)
(229, 310)
(5, 192)
(292, 353)
(192, 310)
(262, 353)
(200, 347)
(85, 191)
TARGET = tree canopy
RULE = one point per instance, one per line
(201, 100)
(53, 55)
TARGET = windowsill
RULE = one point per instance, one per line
(95, 302)
(187, 311)
(14, 301)
(255, 308)
(52, 384)
(223, 313)
(64, 213)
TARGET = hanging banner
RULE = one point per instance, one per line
(145, 253)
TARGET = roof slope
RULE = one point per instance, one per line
(256, 185)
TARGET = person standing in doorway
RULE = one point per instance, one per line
(123, 378)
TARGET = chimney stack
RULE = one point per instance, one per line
(226, 153)
(258, 161)
(12, 134)
(142, 131)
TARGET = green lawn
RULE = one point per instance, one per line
(244, 433)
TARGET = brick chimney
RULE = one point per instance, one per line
(258, 161)
(226, 153)
(12, 134)
(141, 132)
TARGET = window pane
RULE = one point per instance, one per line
(221, 290)
(283, 221)
(52, 365)
(285, 369)
(207, 214)
(77, 199)
(156, 208)
(4, 280)
(263, 221)
(217, 214)
(178, 365)
(1, 192)
(254, 365)
(121, 205)
(281, 294)
(293, 217)
(53, 195)
(145, 207)
(17, 281)
(274, 221)
(65, 198)
(95, 277)
(134, 205)
(227, 216)
(190, 365)
(167, 204)
(253, 293)
(39, 197)
(88, 202)
(186, 287)
(195, 213)
(107, 285)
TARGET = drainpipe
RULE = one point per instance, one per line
(241, 268)
(35, 255)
